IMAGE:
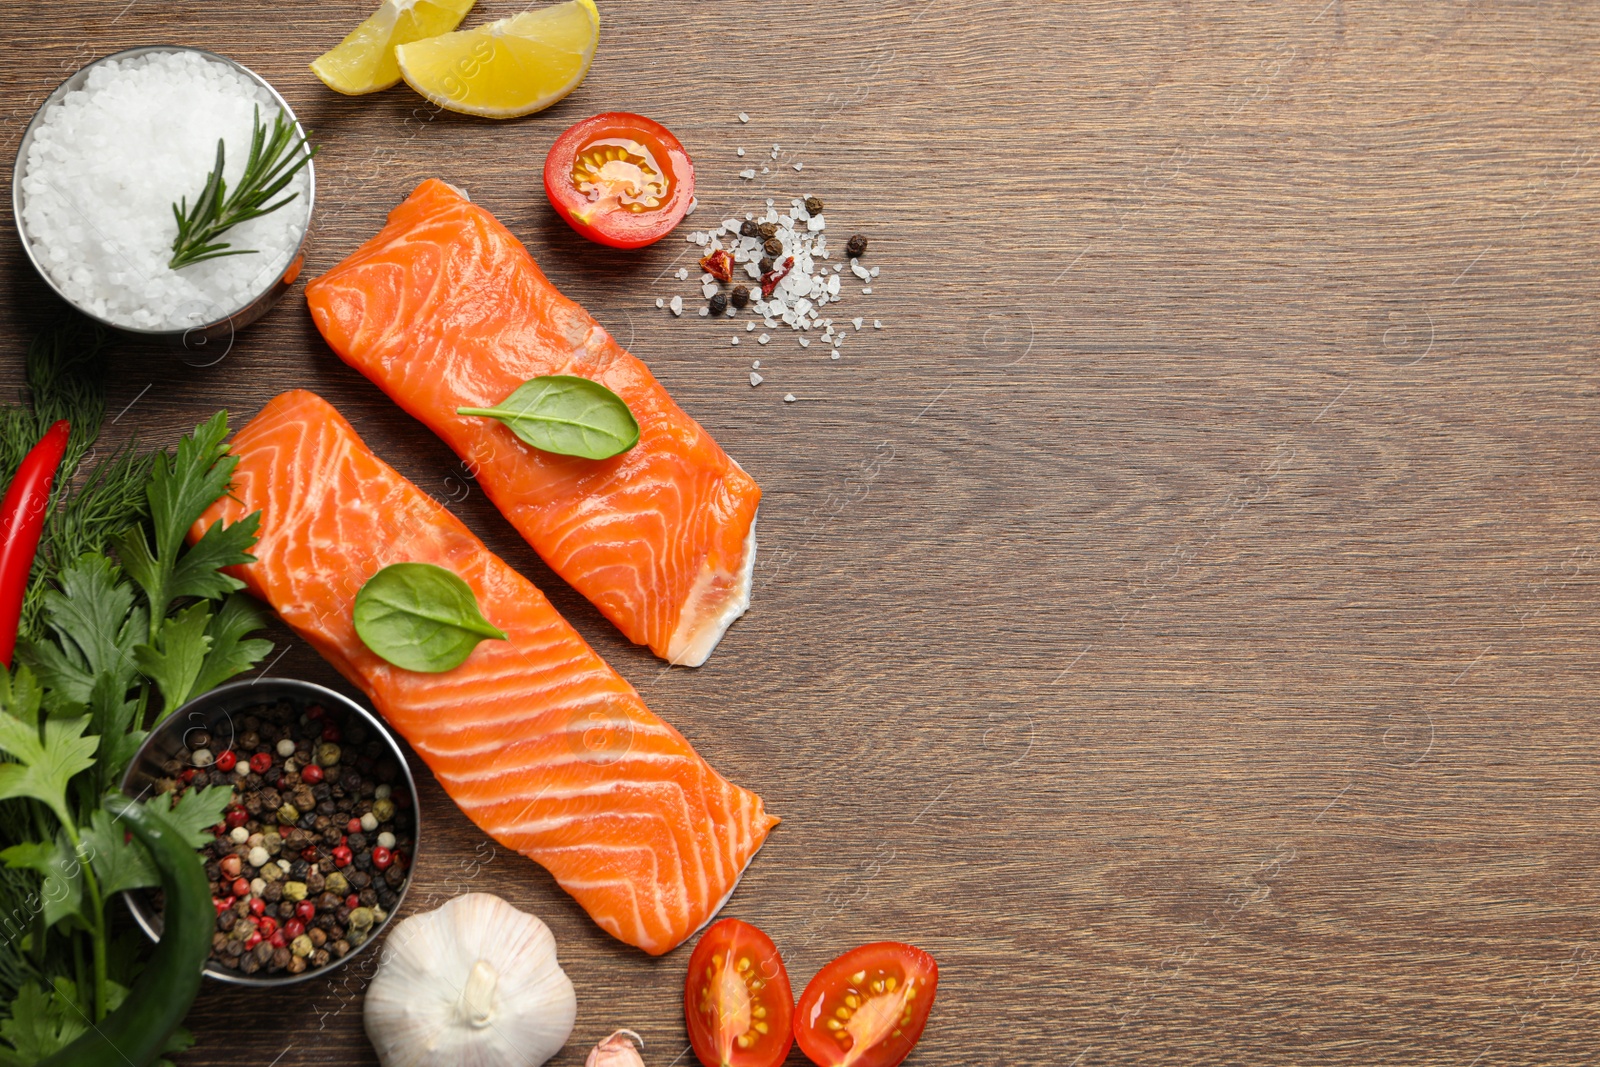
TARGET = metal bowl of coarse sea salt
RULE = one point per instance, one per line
(110, 157)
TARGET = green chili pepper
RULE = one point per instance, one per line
(137, 1032)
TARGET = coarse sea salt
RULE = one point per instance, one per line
(104, 168)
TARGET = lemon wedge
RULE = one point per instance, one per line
(515, 66)
(364, 61)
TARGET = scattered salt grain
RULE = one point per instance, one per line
(660, 303)
(683, 273)
(743, 117)
(835, 354)
(857, 322)
(876, 325)
(873, 272)
(676, 305)
(735, 339)
(101, 173)
(788, 398)
(755, 379)
(764, 338)
(800, 166)
(738, 151)
(867, 290)
(747, 175)
(708, 289)
(756, 365)
(805, 342)
(775, 151)
(765, 171)
(750, 326)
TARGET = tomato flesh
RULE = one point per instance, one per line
(868, 1007)
(737, 1000)
(619, 179)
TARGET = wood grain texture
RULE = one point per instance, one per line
(1180, 618)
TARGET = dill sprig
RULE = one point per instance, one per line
(273, 161)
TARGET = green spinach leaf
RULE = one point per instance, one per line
(567, 415)
(421, 617)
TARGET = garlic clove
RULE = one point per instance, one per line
(616, 1051)
(474, 983)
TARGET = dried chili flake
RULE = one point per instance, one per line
(770, 280)
(719, 265)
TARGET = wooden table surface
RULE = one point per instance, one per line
(1179, 618)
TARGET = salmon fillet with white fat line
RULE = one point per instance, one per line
(445, 309)
(540, 742)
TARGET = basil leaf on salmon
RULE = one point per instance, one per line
(420, 617)
(567, 415)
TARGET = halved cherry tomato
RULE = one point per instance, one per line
(620, 179)
(868, 1007)
(737, 999)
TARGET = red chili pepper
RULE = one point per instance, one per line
(770, 280)
(719, 265)
(21, 522)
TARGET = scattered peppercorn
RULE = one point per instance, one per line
(856, 247)
(719, 303)
(773, 247)
(741, 295)
(767, 229)
(315, 803)
(747, 228)
(767, 263)
(814, 205)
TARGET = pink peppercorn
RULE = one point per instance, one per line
(258, 906)
(381, 858)
(342, 856)
(311, 774)
(352, 902)
(353, 827)
(277, 940)
(261, 762)
(305, 911)
(227, 760)
(241, 888)
(252, 941)
(231, 866)
(293, 929)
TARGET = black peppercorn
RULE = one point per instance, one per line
(767, 264)
(814, 205)
(719, 303)
(740, 297)
(856, 247)
(748, 229)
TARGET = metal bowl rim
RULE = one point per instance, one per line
(270, 687)
(66, 87)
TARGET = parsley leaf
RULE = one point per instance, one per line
(44, 765)
(196, 812)
(61, 895)
(173, 660)
(41, 1024)
(118, 863)
(96, 626)
(230, 653)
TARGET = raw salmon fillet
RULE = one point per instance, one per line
(445, 309)
(539, 741)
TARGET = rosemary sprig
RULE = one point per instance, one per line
(272, 163)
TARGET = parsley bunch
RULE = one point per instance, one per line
(116, 645)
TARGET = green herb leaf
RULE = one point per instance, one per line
(174, 660)
(196, 812)
(230, 653)
(421, 617)
(271, 163)
(44, 765)
(59, 864)
(96, 625)
(41, 1023)
(567, 415)
(118, 863)
(114, 719)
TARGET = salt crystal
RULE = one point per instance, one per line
(750, 326)
(747, 175)
(775, 151)
(764, 170)
(731, 225)
(704, 312)
(858, 270)
(799, 166)
(835, 354)
(756, 365)
(867, 289)
(788, 398)
(816, 223)
(735, 338)
(683, 273)
(833, 285)
(857, 322)
(755, 379)
(677, 305)
(739, 151)
(805, 342)
(660, 303)
(743, 117)
(763, 339)
(876, 325)
(873, 272)
(708, 289)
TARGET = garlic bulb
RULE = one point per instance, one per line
(616, 1051)
(472, 984)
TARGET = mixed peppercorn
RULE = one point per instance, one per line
(313, 853)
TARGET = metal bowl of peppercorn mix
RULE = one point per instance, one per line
(313, 857)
